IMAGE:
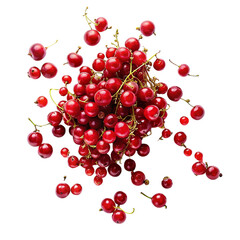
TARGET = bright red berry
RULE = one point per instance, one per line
(76, 189)
(62, 190)
(34, 73)
(167, 182)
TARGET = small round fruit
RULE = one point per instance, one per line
(62, 190)
(159, 200)
(167, 182)
(92, 37)
(120, 198)
(76, 189)
(147, 28)
(197, 112)
(213, 173)
(48, 70)
(45, 150)
(119, 216)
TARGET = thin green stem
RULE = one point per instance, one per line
(145, 195)
(36, 125)
(124, 211)
(187, 101)
(50, 93)
(173, 63)
(134, 72)
(51, 44)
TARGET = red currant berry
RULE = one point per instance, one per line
(159, 64)
(54, 118)
(162, 88)
(35, 139)
(89, 171)
(174, 93)
(66, 79)
(120, 198)
(45, 150)
(91, 137)
(72, 107)
(132, 44)
(97, 180)
(102, 147)
(108, 205)
(91, 109)
(197, 112)
(213, 173)
(187, 152)
(48, 70)
(129, 165)
(64, 152)
(92, 37)
(98, 64)
(74, 60)
(119, 216)
(37, 51)
(109, 136)
(147, 28)
(62, 190)
(167, 182)
(101, 24)
(113, 64)
(114, 169)
(63, 91)
(166, 133)
(123, 54)
(103, 97)
(151, 112)
(159, 200)
(101, 55)
(128, 98)
(180, 138)
(58, 131)
(145, 94)
(121, 129)
(76, 189)
(183, 70)
(113, 84)
(143, 150)
(199, 156)
(139, 58)
(138, 178)
(110, 52)
(41, 101)
(199, 168)
(34, 73)
(101, 172)
(73, 162)
(184, 120)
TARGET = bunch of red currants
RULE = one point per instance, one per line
(114, 105)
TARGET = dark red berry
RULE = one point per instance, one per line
(62, 190)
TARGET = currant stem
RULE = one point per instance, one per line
(124, 211)
(50, 93)
(78, 49)
(187, 101)
(36, 125)
(173, 63)
(193, 75)
(145, 195)
(134, 72)
(51, 44)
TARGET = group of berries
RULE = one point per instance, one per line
(109, 206)
(63, 189)
(115, 104)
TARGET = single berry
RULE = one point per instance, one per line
(62, 190)
(167, 182)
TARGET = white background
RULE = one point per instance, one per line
(203, 34)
